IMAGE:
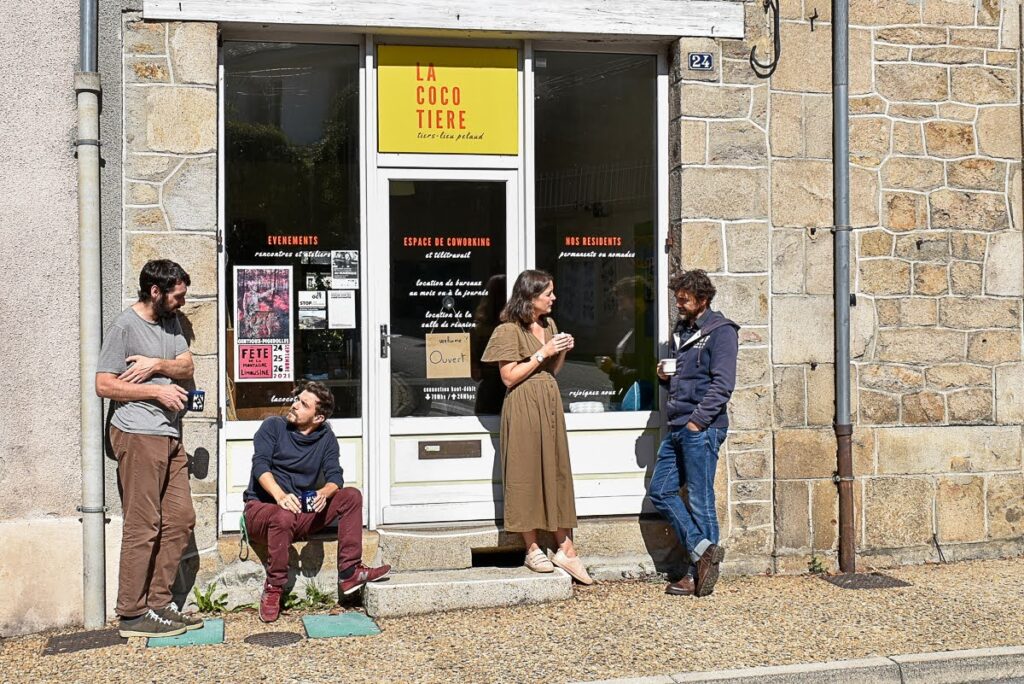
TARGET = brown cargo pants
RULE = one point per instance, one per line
(158, 518)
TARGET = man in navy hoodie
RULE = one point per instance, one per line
(292, 455)
(705, 344)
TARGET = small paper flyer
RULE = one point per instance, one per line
(345, 269)
(341, 309)
(263, 323)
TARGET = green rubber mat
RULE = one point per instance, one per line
(212, 632)
(344, 625)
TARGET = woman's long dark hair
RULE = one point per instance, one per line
(528, 286)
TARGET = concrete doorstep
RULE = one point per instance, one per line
(416, 593)
(1005, 664)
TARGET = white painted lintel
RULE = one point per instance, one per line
(536, 19)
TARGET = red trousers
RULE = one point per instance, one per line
(156, 502)
(278, 528)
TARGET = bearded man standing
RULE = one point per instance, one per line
(700, 376)
(143, 357)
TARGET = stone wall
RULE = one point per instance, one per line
(170, 208)
(937, 266)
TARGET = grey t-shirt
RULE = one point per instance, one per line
(129, 335)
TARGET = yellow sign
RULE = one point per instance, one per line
(447, 100)
(448, 355)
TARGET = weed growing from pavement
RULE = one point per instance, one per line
(815, 565)
(209, 602)
(315, 598)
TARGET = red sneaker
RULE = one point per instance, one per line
(270, 603)
(361, 576)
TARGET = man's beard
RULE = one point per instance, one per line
(161, 308)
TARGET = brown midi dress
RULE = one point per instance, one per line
(536, 474)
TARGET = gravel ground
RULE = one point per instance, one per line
(616, 629)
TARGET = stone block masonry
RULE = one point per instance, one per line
(937, 265)
(170, 209)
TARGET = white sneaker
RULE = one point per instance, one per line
(573, 566)
(538, 561)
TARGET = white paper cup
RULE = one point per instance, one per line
(668, 366)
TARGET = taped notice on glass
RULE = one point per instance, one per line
(263, 324)
(345, 269)
(341, 309)
(448, 355)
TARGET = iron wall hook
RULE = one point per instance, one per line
(761, 69)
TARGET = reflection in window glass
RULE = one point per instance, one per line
(448, 287)
(292, 224)
(596, 208)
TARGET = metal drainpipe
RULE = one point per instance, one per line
(841, 277)
(88, 90)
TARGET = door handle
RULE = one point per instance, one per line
(385, 341)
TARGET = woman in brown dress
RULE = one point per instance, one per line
(537, 476)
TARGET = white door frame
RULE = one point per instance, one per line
(382, 427)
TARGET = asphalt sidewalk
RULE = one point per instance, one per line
(789, 628)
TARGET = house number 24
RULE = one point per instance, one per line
(701, 61)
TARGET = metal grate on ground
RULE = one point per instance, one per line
(865, 580)
(274, 639)
(83, 641)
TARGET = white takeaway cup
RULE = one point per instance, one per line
(668, 366)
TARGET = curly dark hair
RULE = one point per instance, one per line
(696, 282)
(163, 273)
(528, 286)
(324, 397)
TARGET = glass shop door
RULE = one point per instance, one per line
(443, 245)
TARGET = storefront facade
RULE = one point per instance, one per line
(353, 193)
(378, 195)
(278, 145)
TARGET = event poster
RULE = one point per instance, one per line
(345, 269)
(263, 323)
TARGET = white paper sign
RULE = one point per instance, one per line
(341, 309)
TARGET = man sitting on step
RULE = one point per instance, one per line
(291, 454)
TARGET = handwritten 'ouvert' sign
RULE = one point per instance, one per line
(448, 355)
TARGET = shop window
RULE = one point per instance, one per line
(292, 230)
(596, 209)
(448, 286)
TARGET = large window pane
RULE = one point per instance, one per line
(448, 287)
(292, 200)
(596, 220)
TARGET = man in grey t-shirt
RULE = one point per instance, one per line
(144, 353)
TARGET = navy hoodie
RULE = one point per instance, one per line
(298, 462)
(705, 371)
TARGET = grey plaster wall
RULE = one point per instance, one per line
(39, 414)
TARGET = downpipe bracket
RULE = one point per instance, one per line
(88, 82)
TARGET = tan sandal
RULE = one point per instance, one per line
(538, 561)
(573, 566)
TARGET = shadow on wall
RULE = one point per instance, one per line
(660, 539)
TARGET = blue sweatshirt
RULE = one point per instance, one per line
(298, 462)
(705, 371)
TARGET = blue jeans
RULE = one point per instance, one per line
(690, 457)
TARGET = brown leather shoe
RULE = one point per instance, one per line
(707, 569)
(683, 587)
